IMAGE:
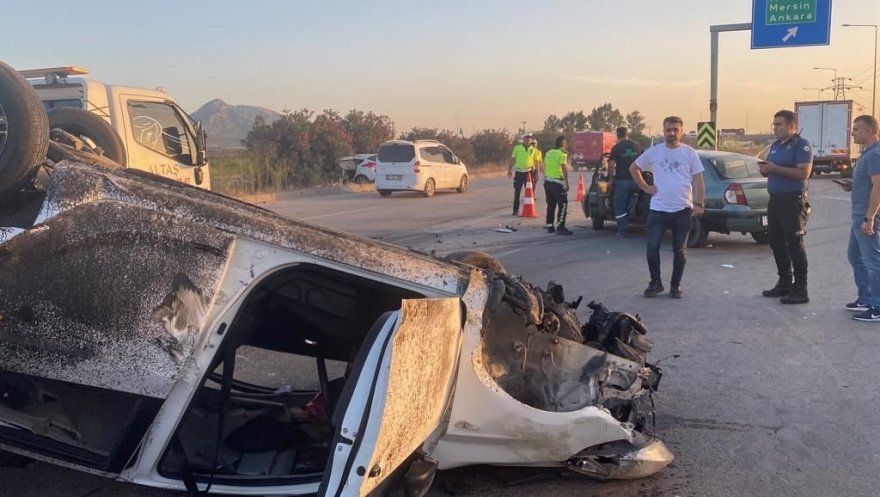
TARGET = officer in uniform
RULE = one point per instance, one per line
(523, 160)
(787, 168)
(556, 186)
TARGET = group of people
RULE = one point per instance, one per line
(678, 191)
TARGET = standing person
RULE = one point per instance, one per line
(864, 241)
(622, 155)
(539, 164)
(787, 168)
(523, 160)
(556, 186)
(678, 180)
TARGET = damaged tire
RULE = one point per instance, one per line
(24, 130)
(91, 129)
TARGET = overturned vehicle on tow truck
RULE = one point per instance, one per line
(169, 336)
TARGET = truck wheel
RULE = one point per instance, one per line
(24, 130)
(698, 235)
(83, 124)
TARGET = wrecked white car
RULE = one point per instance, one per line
(164, 335)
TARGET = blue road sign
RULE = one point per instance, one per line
(790, 23)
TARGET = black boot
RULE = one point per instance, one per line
(782, 288)
(797, 295)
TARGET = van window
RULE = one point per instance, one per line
(396, 152)
(158, 127)
(431, 154)
(448, 156)
(735, 167)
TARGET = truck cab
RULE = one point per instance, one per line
(159, 137)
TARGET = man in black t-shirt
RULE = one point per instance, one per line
(625, 189)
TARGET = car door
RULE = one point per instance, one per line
(404, 383)
(451, 167)
(432, 164)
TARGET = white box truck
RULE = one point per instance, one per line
(826, 124)
(154, 133)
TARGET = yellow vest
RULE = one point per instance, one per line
(524, 157)
(553, 162)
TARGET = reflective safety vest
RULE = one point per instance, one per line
(525, 157)
(553, 162)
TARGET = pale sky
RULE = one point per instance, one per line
(474, 65)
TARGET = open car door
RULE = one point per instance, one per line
(402, 388)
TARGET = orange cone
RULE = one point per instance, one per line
(581, 191)
(528, 209)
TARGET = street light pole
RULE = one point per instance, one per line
(818, 92)
(874, 91)
(834, 81)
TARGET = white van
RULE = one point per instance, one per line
(421, 165)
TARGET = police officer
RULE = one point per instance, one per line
(523, 159)
(556, 186)
(787, 168)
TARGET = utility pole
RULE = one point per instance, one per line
(840, 87)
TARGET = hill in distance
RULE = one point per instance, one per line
(227, 125)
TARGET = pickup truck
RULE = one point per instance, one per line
(135, 127)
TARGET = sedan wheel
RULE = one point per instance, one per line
(463, 184)
(698, 235)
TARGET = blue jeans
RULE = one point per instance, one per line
(625, 197)
(864, 257)
(680, 224)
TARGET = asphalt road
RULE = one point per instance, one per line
(758, 398)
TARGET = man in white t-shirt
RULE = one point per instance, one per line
(678, 179)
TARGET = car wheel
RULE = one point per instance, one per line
(598, 222)
(430, 188)
(698, 235)
(360, 179)
(385, 193)
(85, 125)
(463, 184)
(763, 237)
(24, 129)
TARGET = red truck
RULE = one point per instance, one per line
(589, 148)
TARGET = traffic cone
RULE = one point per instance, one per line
(528, 209)
(581, 191)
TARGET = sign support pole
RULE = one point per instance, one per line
(713, 91)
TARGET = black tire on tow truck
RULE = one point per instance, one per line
(24, 130)
(83, 124)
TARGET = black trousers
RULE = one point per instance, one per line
(786, 226)
(519, 179)
(556, 197)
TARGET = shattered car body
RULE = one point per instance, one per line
(172, 337)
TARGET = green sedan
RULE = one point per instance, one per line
(736, 199)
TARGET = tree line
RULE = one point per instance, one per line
(300, 148)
